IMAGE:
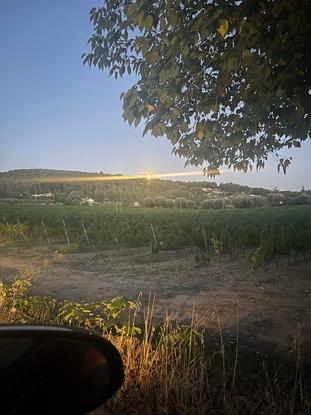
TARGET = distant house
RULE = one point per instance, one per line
(42, 195)
(88, 201)
(210, 190)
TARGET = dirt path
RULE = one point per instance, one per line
(272, 306)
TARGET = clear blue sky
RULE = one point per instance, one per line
(55, 113)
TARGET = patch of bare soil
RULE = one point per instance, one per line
(271, 306)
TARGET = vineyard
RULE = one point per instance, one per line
(227, 293)
(265, 233)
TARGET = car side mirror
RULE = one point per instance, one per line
(55, 370)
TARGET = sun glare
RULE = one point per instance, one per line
(148, 175)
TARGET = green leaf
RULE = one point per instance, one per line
(184, 127)
(162, 23)
(133, 100)
(232, 64)
(131, 10)
(247, 53)
(175, 113)
(279, 93)
(153, 57)
(174, 72)
(173, 19)
(140, 19)
(200, 135)
(158, 130)
(185, 50)
(163, 97)
(148, 23)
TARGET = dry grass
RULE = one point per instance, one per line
(177, 370)
(170, 371)
(165, 371)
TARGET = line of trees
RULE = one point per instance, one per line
(150, 193)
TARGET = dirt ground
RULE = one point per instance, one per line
(272, 306)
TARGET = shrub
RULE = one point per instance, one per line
(246, 201)
(74, 195)
(148, 202)
(191, 204)
(107, 203)
(259, 201)
(14, 231)
(60, 197)
(104, 316)
(181, 202)
(302, 199)
(168, 203)
(158, 201)
(178, 193)
(242, 201)
(276, 199)
(212, 203)
(75, 202)
(99, 195)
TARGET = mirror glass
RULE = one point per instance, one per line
(52, 375)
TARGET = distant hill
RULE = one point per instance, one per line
(28, 174)
(73, 186)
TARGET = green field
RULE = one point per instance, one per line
(268, 232)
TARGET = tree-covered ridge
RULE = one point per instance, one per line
(26, 174)
(57, 186)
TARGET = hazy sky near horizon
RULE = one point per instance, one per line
(55, 113)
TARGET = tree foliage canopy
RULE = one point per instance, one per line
(226, 81)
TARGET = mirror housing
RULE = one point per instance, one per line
(56, 370)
